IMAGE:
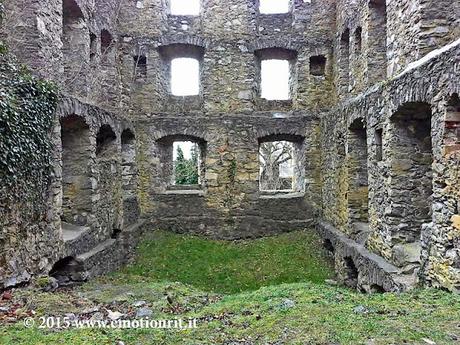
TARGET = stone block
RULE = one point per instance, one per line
(404, 254)
(456, 221)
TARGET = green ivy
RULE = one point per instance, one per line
(27, 107)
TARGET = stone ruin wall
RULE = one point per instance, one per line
(385, 186)
(228, 114)
(335, 116)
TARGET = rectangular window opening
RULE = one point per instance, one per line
(185, 77)
(274, 6)
(140, 67)
(106, 42)
(275, 79)
(185, 7)
(318, 65)
(276, 170)
(186, 163)
(358, 40)
(379, 144)
(93, 46)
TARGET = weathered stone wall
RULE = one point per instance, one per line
(228, 114)
(54, 39)
(361, 99)
(26, 116)
(229, 34)
(83, 213)
(101, 165)
(417, 27)
(384, 37)
(32, 29)
(228, 203)
(422, 90)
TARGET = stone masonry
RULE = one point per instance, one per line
(373, 112)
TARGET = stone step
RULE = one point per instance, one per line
(134, 228)
(112, 253)
(96, 250)
(77, 239)
(90, 259)
(362, 231)
(374, 271)
(71, 232)
(105, 257)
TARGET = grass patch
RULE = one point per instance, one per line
(305, 312)
(230, 267)
(320, 314)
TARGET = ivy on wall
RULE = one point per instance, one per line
(27, 107)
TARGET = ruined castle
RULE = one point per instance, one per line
(372, 116)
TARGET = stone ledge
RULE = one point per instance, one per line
(373, 270)
(243, 227)
(111, 254)
(183, 192)
(281, 195)
(77, 239)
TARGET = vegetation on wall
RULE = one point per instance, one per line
(27, 107)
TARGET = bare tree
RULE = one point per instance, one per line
(272, 156)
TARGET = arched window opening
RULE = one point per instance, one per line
(76, 39)
(76, 178)
(375, 288)
(275, 79)
(358, 186)
(277, 73)
(182, 69)
(358, 40)
(411, 159)
(186, 161)
(350, 273)
(130, 177)
(140, 67)
(378, 141)
(452, 123)
(93, 46)
(344, 63)
(182, 159)
(109, 180)
(377, 41)
(106, 44)
(68, 272)
(327, 244)
(71, 13)
(318, 65)
(105, 140)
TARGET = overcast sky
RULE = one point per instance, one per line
(274, 6)
(185, 7)
(185, 78)
(192, 7)
(186, 147)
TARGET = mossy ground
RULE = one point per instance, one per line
(236, 291)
